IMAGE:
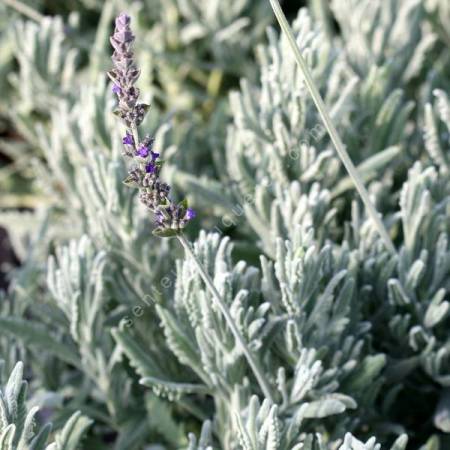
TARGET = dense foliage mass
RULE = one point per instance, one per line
(121, 342)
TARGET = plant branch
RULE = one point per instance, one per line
(226, 313)
(320, 104)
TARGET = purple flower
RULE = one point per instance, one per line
(190, 214)
(125, 73)
(122, 20)
(159, 217)
(154, 155)
(128, 139)
(150, 168)
(142, 151)
(122, 33)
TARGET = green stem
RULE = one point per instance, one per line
(320, 104)
(226, 313)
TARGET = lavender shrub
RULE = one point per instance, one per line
(293, 326)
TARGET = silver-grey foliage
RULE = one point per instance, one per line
(118, 326)
(17, 423)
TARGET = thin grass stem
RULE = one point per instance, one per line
(320, 104)
(226, 313)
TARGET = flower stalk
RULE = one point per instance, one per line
(257, 371)
(170, 218)
(334, 135)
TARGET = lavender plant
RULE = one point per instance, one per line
(291, 326)
(17, 425)
(171, 218)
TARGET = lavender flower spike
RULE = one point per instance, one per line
(170, 218)
(125, 74)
